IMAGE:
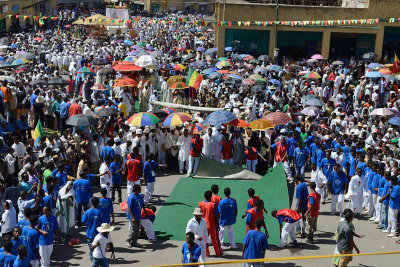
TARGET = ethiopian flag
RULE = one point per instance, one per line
(396, 64)
(41, 22)
(38, 133)
(193, 78)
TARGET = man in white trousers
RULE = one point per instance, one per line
(320, 180)
(394, 206)
(357, 187)
(210, 145)
(48, 229)
(147, 219)
(198, 226)
(227, 208)
(371, 203)
(184, 149)
(196, 147)
(281, 155)
(106, 178)
(337, 182)
(290, 217)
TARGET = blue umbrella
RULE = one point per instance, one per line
(127, 42)
(219, 117)
(199, 64)
(206, 72)
(235, 77)
(275, 68)
(260, 70)
(373, 74)
(214, 75)
(236, 58)
(2, 58)
(274, 81)
(228, 49)
(244, 55)
(373, 65)
(395, 121)
(201, 49)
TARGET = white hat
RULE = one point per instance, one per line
(326, 137)
(139, 131)
(146, 130)
(117, 140)
(39, 99)
(197, 211)
(132, 128)
(105, 227)
(186, 124)
(283, 131)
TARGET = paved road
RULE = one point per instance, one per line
(168, 252)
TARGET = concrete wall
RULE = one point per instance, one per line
(263, 12)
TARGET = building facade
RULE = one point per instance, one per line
(201, 6)
(293, 41)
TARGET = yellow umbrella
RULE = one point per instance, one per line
(261, 124)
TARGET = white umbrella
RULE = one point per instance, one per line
(311, 111)
(8, 79)
(4, 46)
(146, 61)
(382, 112)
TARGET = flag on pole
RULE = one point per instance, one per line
(41, 22)
(193, 78)
(396, 64)
(58, 31)
(38, 133)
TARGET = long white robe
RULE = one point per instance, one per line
(66, 208)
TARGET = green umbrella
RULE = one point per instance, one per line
(141, 44)
(254, 61)
(222, 58)
(258, 80)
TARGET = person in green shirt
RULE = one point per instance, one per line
(56, 109)
(47, 173)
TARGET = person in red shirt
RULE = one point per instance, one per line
(196, 147)
(133, 172)
(281, 155)
(251, 203)
(252, 158)
(147, 219)
(75, 109)
(255, 213)
(227, 150)
(211, 216)
(215, 198)
(71, 86)
(312, 213)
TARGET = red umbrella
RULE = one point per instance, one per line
(125, 82)
(126, 66)
(248, 81)
(21, 70)
(278, 118)
(37, 39)
(223, 71)
(239, 123)
(248, 58)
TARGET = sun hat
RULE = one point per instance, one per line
(105, 227)
(197, 211)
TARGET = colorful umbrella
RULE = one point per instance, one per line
(261, 124)
(178, 86)
(312, 75)
(98, 87)
(169, 110)
(222, 58)
(175, 79)
(199, 127)
(179, 67)
(239, 123)
(125, 82)
(86, 70)
(126, 66)
(176, 119)
(386, 71)
(248, 58)
(248, 81)
(19, 61)
(224, 63)
(141, 44)
(278, 118)
(143, 119)
(223, 71)
(219, 117)
(131, 59)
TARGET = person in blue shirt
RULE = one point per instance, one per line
(149, 174)
(394, 206)
(61, 175)
(327, 163)
(64, 113)
(6, 258)
(351, 166)
(16, 240)
(301, 206)
(370, 180)
(22, 259)
(254, 244)
(381, 186)
(92, 219)
(292, 142)
(361, 163)
(190, 250)
(25, 222)
(385, 203)
(300, 155)
(135, 205)
(107, 150)
(337, 183)
(48, 198)
(24, 128)
(314, 150)
(30, 239)
(227, 208)
(320, 156)
(49, 229)
(83, 193)
(106, 208)
(115, 169)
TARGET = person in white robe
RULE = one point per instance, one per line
(320, 180)
(66, 208)
(357, 187)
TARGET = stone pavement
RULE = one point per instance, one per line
(168, 252)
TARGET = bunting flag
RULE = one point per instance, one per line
(396, 64)
(193, 78)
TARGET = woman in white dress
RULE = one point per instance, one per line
(66, 208)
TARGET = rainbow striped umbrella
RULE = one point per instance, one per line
(143, 119)
(312, 75)
(199, 127)
(176, 119)
(169, 110)
(278, 118)
(19, 61)
(224, 63)
(130, 59)
(86, 70)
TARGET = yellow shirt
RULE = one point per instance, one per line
(122, 108)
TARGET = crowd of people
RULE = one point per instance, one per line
(333, 118)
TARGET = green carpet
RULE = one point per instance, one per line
(173, 216)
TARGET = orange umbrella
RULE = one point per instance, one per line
(126, 66)
(261, 124)
(125, 82)
(385, 71)
(239, 123)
